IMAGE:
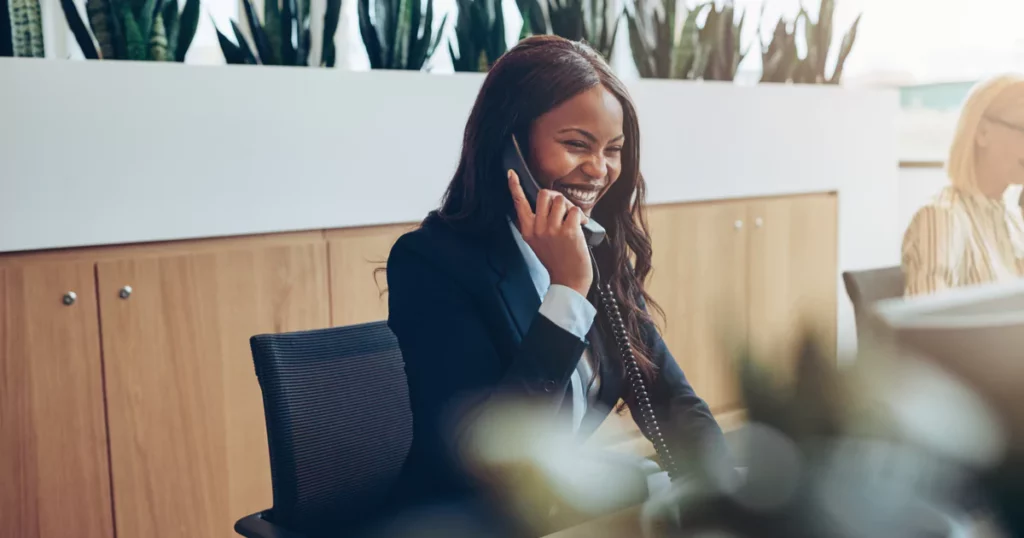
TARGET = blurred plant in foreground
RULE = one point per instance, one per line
(892, 446)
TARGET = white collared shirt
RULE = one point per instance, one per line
(571, 311)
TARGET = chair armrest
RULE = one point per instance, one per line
(256, 526)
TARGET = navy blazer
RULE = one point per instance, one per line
(464, 310)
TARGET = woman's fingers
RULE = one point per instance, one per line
(543, 208)
(556, 215)
(575, 217)
(524, 213)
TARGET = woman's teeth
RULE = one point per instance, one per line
(585, 196)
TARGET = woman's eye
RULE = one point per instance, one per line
(575, 144)
(615, 149)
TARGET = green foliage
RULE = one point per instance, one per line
(6, 39)
(25, 27)
(480, 32)
(595, 22)
(782, 62)
(720, 39)
(779, 58)
(663, 50)
(134, 29)
(283, 37)
(399, 35)
(660, 50)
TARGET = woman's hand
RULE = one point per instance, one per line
(554, 233)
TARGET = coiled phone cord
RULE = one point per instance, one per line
(643, 400)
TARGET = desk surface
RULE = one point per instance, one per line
(624, 524)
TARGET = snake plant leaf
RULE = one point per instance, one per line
(188, 21)
(566, 17)
(844, 52)
(288, 52)
(158, 41)
(368, 34)
(533, 18)
(407, 47)
(480, 34)
(232, 53)
(779, 58)
(423, 46)
(823, 37)
(273, 26)
(81, 33)
(387, 14)
(19, 36)
(437, 39)
(641, 52)
(305, 43)
(104, 27)
(496, 45)
(331, 17)
(243, 44)
(36, 26)
(6, 39)
(144, 18)
(27, 28)
(137, 46)
(467, 20)
(259, 37)
(172, 26)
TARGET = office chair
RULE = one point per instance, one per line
(339, 426)
(866, 288)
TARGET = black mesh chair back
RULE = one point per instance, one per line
(339, 423)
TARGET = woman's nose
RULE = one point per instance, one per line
(596, 166)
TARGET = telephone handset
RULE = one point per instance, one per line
(594, 234)
(513, 157)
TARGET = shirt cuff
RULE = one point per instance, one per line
(571, 311)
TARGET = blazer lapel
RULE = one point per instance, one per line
(514, 282)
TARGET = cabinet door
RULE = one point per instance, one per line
(357, 287)
(187, 438)
(793, 273)
(700, 281)
(54, 478)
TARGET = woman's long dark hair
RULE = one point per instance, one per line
(532, 78)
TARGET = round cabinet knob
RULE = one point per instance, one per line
(125, 292)
(758, 222)
(738, 224)
(70, 298)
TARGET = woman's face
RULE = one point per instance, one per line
(576, 148)
(1001, 143)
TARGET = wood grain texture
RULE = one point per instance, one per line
(700, 281)
(54, 474)
(793, 276)
(187, 436)
(356, 290)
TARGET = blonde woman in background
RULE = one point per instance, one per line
(973, 231)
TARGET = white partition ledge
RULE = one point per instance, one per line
(120, 152)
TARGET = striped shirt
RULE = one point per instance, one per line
(963, 238)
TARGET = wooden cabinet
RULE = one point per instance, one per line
(734, 272)
(699, 279)
(793, 274)
(357, 259)
(135, 407)
(187, 440)
(54, 478)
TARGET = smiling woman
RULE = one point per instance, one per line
(492, 296)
